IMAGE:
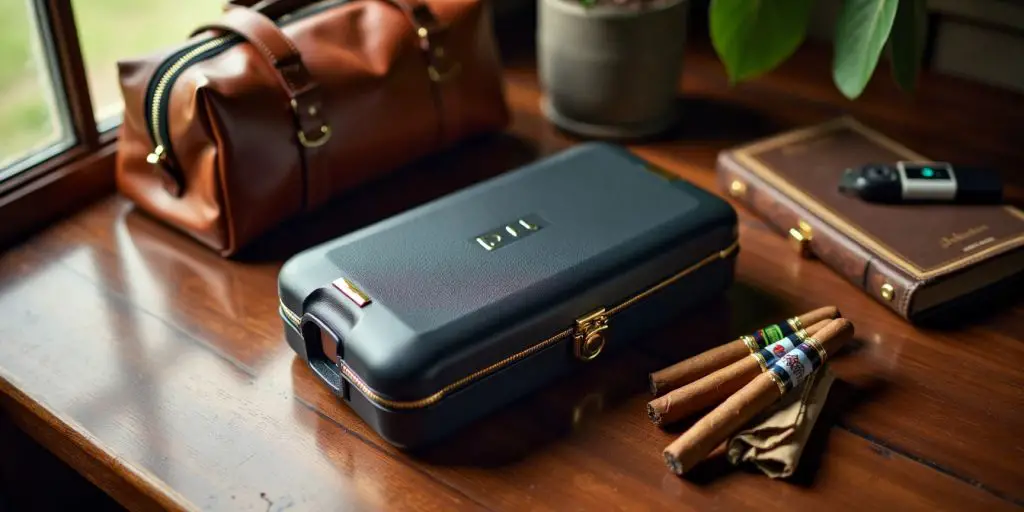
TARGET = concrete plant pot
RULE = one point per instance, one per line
(610, 71)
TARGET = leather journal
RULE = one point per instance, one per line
(428, 320)
(922, 261)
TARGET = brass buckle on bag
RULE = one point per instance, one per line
(441, 68)
(325, 130)
(588, 337)
(325, 135)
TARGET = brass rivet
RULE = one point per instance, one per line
(737, 188)
(888, 292)
(422, 32)
(312, 111)
(801, 242)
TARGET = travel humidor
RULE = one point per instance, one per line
(428, 320)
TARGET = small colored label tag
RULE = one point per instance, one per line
(768, 355)
(772, 333)
(793, 367)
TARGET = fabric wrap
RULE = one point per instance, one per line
(775, 442)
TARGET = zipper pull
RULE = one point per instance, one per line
(158, 155)
(170, 182)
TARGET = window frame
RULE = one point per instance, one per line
(74, 174)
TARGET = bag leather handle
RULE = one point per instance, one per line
(276, 8)
(281, 54)
(271, 8)
(417, 11)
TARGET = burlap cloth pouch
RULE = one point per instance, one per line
(774, 444)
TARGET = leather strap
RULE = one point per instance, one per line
(254, 25)
(282, 55)
(271, 8)
(419, 14)
(276, 8)
(251, 19)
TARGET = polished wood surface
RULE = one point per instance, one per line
(160, 372)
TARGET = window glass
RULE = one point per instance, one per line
(110, 30)
(32, 119)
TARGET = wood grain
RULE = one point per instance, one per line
(159, 370)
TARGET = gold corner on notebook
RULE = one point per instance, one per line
(801, 241)
(737, 189)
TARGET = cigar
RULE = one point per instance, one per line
(784, 375)
(703, 364)
(712, 389)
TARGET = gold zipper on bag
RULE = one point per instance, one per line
(587, 329)
(159, 153)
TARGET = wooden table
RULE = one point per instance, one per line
(159, 370)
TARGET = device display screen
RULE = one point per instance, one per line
(926, 172)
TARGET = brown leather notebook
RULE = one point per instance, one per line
(919, 260)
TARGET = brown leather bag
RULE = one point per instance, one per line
(276, 107)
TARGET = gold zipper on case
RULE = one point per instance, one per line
(159, 153)
(432, 399)
(293, 318)
(436, 397)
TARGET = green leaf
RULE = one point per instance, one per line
(753, 36)
(907, 41)
(861, 31)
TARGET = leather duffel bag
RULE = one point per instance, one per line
(276, 107)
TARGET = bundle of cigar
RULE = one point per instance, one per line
(744, 377)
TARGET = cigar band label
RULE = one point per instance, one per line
(795, 366)
(750, 342)
(816, 345)
(777, 380)
(795, 323)
(768, 355)
(761, 361)
(772, 333)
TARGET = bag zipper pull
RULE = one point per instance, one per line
(158, 155)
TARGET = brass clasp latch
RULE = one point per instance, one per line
(588, 340)
(313, 140)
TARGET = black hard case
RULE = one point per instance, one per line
(454, 330)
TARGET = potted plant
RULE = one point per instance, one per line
(610, 68)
